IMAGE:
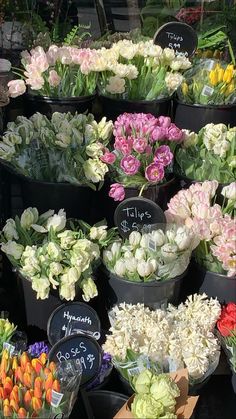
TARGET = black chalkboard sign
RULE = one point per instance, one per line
(73, 318)
(178, 36)
(81, 347)
(138, 214)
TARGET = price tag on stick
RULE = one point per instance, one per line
(72, 318)
(138, 214)
(79, 347)
(178, 36)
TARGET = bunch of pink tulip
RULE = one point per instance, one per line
(214, 224)
(143, 151)
(58, 72)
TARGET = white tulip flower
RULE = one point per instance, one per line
(120, 267)
(11, 248)
(29, 216)
(9, 230)
(134, 238)
(57, 222)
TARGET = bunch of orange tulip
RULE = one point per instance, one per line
(26, 385)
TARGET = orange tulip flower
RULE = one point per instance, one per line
(43, 358)
(27, 380)
(38, 392)
(22, 413)
(38, 382)
(49, 395)
(2, 393)
(28, 368)
(19, 374)
(14, 396)
(49, 382)
(46, 372)
(52, 367)
(14, 363)
(37, 365)
(8, 385)
(24, 359)
(7, 411)
(27, 398)
(56, 386)
(36, 404)
(14, 405)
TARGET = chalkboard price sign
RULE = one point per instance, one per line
(79, 347)
(73, 318)
(178, 36)
(138, 214)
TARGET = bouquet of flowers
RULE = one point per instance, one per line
(67, 148)
(210, 154)
(33, 387)
(213, 224)
(165, 340)
(151, 256)
(50, 255)
(140, 71)
(7, 330)
(59, 72)
(227, 328)
(143, 152)
(209, 83)
(163, 396)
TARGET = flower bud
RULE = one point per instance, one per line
(38, 382)
(14, 405)
(49, 382)
(27, 380)
(8, 385)
(36, 404)
(120, 267)
(134, 238)
(14, 396)
(27, 398)
(28, 368)
(1, 393)
(49, 395)
(43, 358)
(56, 386)
(52, 367)
(14, 363)
(24, 359)
(46, 372)
(38, 392)
(7, 411)
(37, 365)
(19, 374)
(22, 413)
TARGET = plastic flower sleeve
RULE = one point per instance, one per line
(210, 82)
(69, 376)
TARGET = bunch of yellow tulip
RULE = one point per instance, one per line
(6, 331)
(215, 87)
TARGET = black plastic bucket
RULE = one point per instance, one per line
(194, 117)
(154, 294)
(75, 200)
(37, 312)
(215, 285)
(112, 107)
(104, 404)
(233, 380)
(47, 106)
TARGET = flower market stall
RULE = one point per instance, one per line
(118, 209)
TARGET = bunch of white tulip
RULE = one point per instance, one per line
(51, 256)
(158, 255)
